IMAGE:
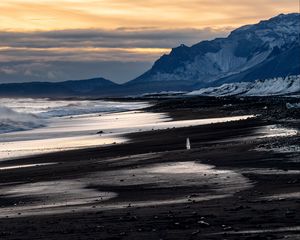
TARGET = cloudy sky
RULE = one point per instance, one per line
(51, 40)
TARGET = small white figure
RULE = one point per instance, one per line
(188, 144)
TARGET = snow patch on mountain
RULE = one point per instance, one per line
(225, 60)
(274, 86)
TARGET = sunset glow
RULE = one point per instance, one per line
(114, 32)
(28, 15)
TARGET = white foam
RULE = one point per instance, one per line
(11, 120)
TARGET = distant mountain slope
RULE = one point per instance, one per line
(90, 87)
(267, 49)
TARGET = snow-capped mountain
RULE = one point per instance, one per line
(275, 86)
(269, 49)
(264, 50)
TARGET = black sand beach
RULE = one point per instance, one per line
(239, 181)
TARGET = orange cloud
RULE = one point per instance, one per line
(69, 14)
(83, 53)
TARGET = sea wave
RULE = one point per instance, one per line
(26, 114)
(11, 120)
(89, 107)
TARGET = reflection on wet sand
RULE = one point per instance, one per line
(25, 166)
(105, 190)
(287, 230)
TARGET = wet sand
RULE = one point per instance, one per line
(231, 185)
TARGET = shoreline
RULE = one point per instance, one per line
(92, 131)
(154, 168)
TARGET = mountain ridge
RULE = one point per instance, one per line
(69, 88)
(245, 47)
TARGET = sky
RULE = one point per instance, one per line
(51, 40)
